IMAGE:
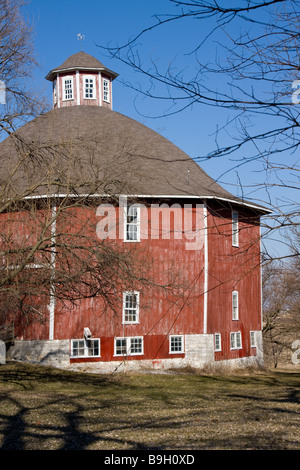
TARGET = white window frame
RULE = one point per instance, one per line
(235, 305)
(106, 90)
(89, 77)
(65, 98)
(136, 223)
(252, 339)
(128, 344)
(235, 340)
(174, 342)
(134, 310)
(235, 228)
(218, 344)
(85, 348)
(55, 84)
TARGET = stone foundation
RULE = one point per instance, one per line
(55, 353)
(199, 354)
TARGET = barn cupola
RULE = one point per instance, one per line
(82, 80)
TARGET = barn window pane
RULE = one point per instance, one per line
(85, 348)
(235, 228)
(89, 88)
(132, 223)
(128, 346)
(235, 306)
(120, 346)
(176, 344)
(136, 345)
(130, 307)
(68, 89)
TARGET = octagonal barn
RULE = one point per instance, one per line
(125, 252)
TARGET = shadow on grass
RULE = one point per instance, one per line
(46, 408)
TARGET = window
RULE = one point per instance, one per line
(235, 340)
(85, 347)
(106, 90)
(89, 88)
(252, 339)
(136, 345)
(218, 342)
(130, 346)
(132, 223)
(120, 347)
(235, 228)
(68, 88)
(54, 91)
(131, 307)
(176, 344)
(235, 305)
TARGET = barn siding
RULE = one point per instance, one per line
(161, 314)
(233, 269)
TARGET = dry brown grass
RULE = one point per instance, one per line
(50, 409)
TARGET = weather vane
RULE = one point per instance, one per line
(81, 37)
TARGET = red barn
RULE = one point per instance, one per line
(169, 211)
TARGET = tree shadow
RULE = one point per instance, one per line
(44, 408)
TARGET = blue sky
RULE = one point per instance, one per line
(56, 25)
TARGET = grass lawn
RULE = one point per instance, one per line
(44, 408)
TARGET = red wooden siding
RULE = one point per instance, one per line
(231, 269)
(161, 311)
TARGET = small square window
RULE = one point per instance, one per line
(78, 347)
(176, 344)
(136, 345)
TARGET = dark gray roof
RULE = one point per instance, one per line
(93, 149)
(80, 61)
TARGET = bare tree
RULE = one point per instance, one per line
(252, 74)
(281, 307)
(49, 244)
(17, 61)
(49, 248)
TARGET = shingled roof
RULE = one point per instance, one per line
(80, 61)
(91, 148)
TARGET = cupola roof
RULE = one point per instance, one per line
(80, 61)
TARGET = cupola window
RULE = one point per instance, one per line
(89, 88)
(106, 90)
(80, 79)
(68, 88)
(54, 91)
